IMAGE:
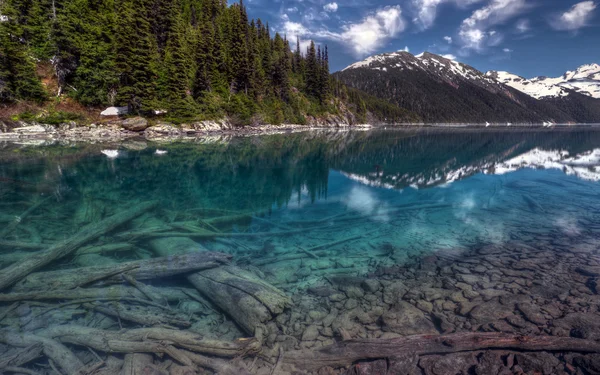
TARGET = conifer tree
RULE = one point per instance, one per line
(18, 79)
(312, 71)
(177, 67)
(136, 57)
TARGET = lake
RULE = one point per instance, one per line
(302, 241)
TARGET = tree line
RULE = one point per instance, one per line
(194, 59)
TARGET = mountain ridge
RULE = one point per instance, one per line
(442, 90)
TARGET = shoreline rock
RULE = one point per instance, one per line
(138, 127)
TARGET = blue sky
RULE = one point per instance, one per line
(525, 37)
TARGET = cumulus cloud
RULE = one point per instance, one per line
(474, 32)
(426, 10)
(449, 56)
(575, 18)
(331, 7)
(448, 39)
(362, 38)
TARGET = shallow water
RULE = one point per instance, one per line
(439, 211)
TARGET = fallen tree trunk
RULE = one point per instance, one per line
(209, 234)
(22, 245)
(22, 357)
(57, 352)
(140, 316)
(250, 302)
(144, 269)
(345, 353)
(137, 364)
(115, 291)
(148, 340)
(17, 271)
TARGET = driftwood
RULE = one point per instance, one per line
(13, 224)
(115, 292)
(22, 245)
(140, 316)
(144, 269)
(137, 364)
(149, 340)
(17, 271)
(57, 352)
(248, 300)
(23, 356)
(345, 353)
(208, 234)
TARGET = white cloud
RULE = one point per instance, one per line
(448, 39)
(507, 50)
(406, 49)
(366, 36)
(331, 7)
(523, 26)
(426, 10)
(575, 18)
(449, 56)
(474, 32)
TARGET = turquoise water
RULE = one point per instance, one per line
(297, 210)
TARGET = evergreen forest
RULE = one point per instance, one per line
(191, 59)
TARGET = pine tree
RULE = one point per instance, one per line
(312, 71)
(177, 66)
(18, 79)
(325, 84)
(85, 60)
(137, 57)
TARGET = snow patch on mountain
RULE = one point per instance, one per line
(534, 89)
(585, 80)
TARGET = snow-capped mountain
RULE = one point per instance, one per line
(585, 80)
(535, 89)
(442, 90)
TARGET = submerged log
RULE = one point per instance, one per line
(22, 357)
(137, 364)
(144, 269)
(17, 271)
(250, 302)
(345, 353)
(115, 292)
(148, 340)
(57, 352)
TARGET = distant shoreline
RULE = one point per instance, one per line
(166, 132)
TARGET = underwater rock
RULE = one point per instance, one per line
(371, 285)
(489, 312)
(310, 333)
(532, 313)
(544, 363)
(580, 325)
(448, 364)
(405, 319)
(491, 362)
(321, 291)
(589, 363)
(394, 292)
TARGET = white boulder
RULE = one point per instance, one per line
(114, 111)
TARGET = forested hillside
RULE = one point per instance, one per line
(445, 91)
(194, 59)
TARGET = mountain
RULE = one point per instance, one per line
(441, 90)
(576, 93)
